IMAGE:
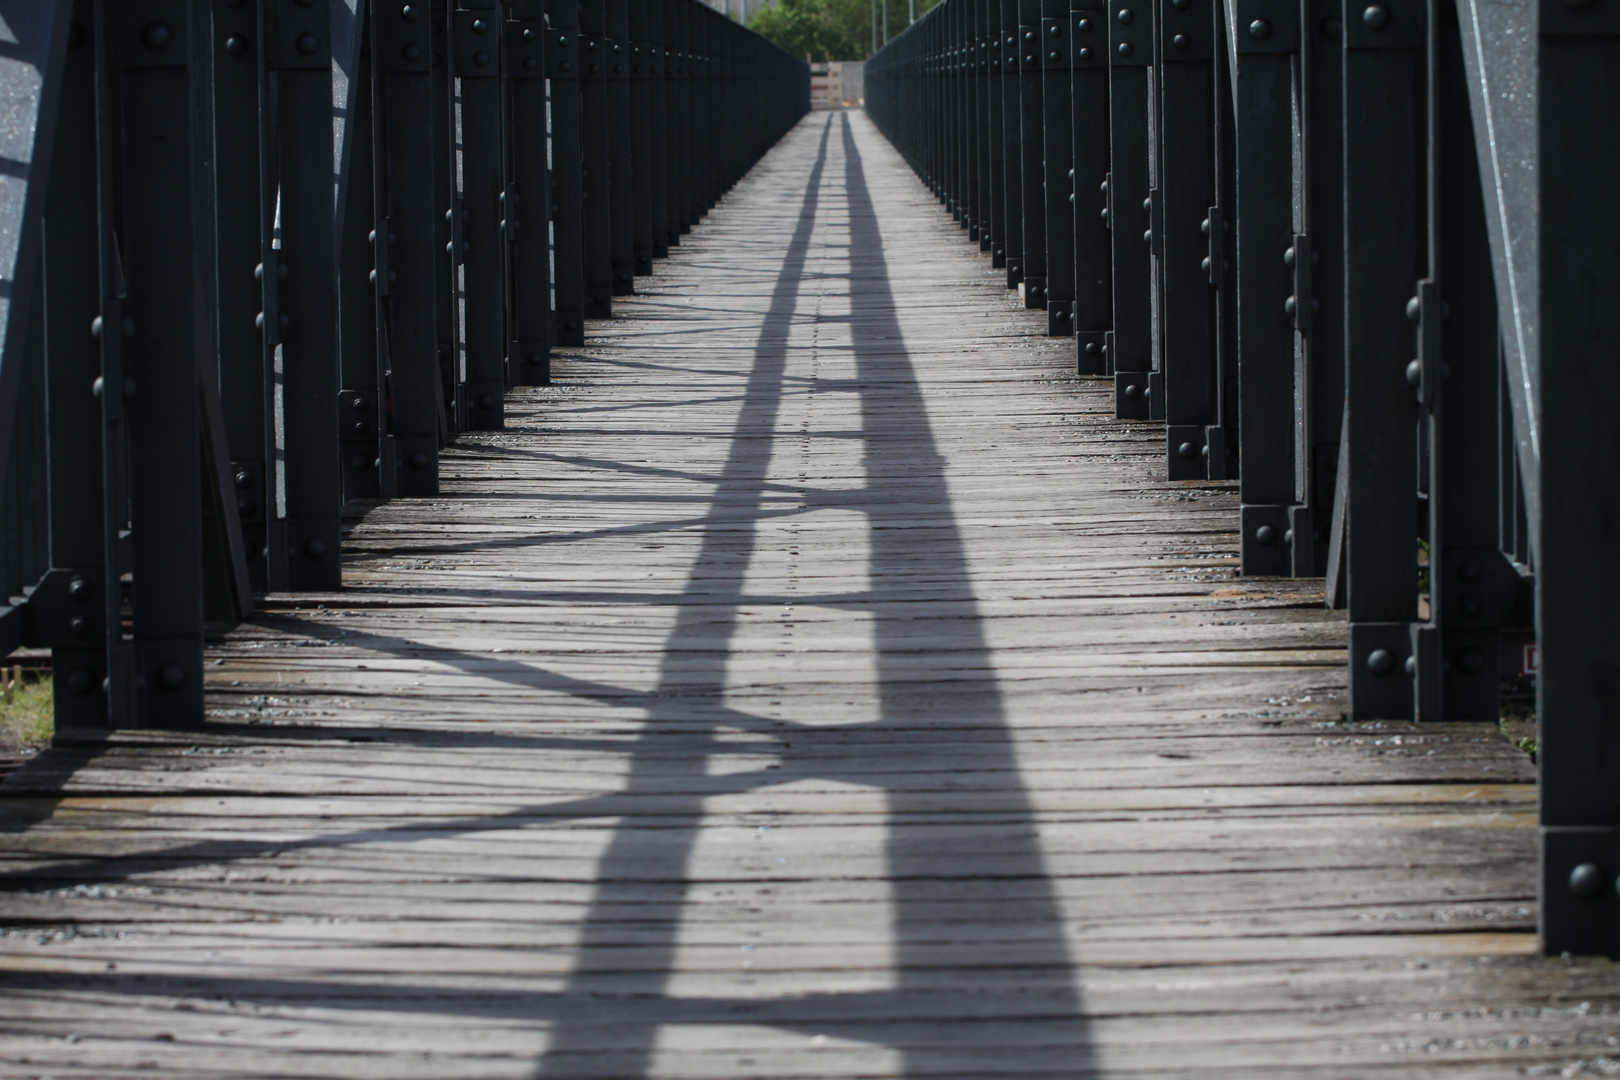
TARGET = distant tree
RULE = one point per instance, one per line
(823, 30)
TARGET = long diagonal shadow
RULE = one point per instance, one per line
(949, 1012)
(927, 858)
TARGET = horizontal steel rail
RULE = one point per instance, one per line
(1364, 258)
(265, 256)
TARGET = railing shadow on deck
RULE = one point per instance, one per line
(994, 864)
(898, 475)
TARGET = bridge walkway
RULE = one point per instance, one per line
(814, 682)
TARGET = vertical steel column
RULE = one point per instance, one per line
(996, 128)
(1318, 285)
(1474, 589)
(361, 423)
(1128, 191)
(597, 223)
(1031, 89)
(1088, 75)
(1012, 144)
(83, 568)
(1579, 382)
(526, 203)
(297, 273)
(1384, 222)
(640, 140)
(1057, 141)
(245, 377)
(446, 227)
(476, 49)
(564, 60)
(1186, 191)
(151, 351)
(1265, 89)
(405, 245)
(658, 120)
(620, 147)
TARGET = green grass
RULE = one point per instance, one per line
(27, 718)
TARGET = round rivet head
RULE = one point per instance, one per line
(1085, 54)
(1054, 56)
(1471, 571)
(1147, 237)
(1381, 662)
(480, 59)
(1265, 534)
(1376, 17)
(236, 44)
(1125, 15)
(1260, 29)
(1472, 606)
(1126, 48)
(156, 35)
(1133, 391)
(171, 677)
(1187, 451)
(81, 625)
(315, 548)
(486, 401)
(307, 44)
(1181, 41)
(1414, 309)
(81, 680)
(1053, 31)
(411, 53)
(530, 63)
(1587, 882)
(81, 589)
(1470, 661)
(566, 67)
(409, 13)
(536, 358)
(418, 460)
(1091, 348)
(1290, 306)
(479, 26)
(1084, 26)
(360, 463)
(1331, 27)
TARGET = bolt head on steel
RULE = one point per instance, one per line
(81, 680)
(411, 53)
(1181, 41)
(1133, 391)
(156, 35)
(1376, 17)
(315, 548)
(1265, 534)
(236, 44)
(1126, 48)
(1260, 29)
(1381, 662)
(409, 12)
(1187, 451)
(1588, 881)
(418, 460)
(171, 677)
(81, 589)
(1470, 661)
(307, 44)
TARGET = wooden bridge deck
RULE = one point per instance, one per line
(813, 683)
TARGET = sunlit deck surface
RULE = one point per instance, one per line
(815, 682)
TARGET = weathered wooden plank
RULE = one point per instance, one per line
(816, 682)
